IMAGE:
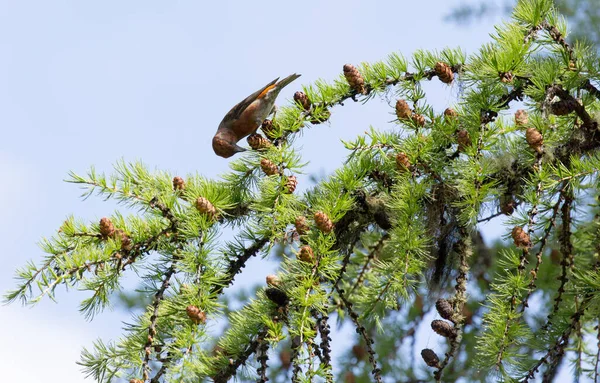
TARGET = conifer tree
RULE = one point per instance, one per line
(391, 240)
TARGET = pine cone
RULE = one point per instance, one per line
(195, 314)
(534, 139)
(107, 229)
(418, 119)
(256, 141)
(402, 161)
(302, 99)
(464, 140)
(268, 167)
(323, 222)
(273, 280)
(204, 206)
(306, 254)
(277, 296)
(403, 110)
(520, 237)
(430, 357)
(178, 183)
(355, 79)
(290, 184)
(443, 328)
(444, 72)
(563, 107)
(301, 225)
(521, 117)
(450, 113)
(444, 308)
(268, 129)
(507, 77)
(507, 204)
(126, 243)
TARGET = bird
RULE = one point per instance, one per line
(245, 118)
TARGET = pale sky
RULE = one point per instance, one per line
(87, 83)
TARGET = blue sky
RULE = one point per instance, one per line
(87, 83)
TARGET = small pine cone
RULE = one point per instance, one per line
(520, 237)
(322, 117)
(323, 222)
(204, 206)
(178, 183)
(450, 113)
(355, 79)
(306, 254)
(563, 107)
(301, 225)
(444, 72)
(418, 119)
(464, 140)
(521, 117)
(290, 184)
(107, 229)
(268, 167)
(285, 357)
(403, 110)
(277, 296)
(402, 161)
(126, 243)
(444, 308)
(507, 77)
(443, 328)
(195, 314)
(534, 139)
(256, 141)
(273, 280)
(268, 129)
(507, 204)
(430, 357)
(302, 99)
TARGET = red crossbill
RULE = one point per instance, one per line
(245, 118)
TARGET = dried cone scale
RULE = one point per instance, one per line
(195, 314)
(323, 222)
(355, 79)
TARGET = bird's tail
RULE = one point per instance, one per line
(287, 80)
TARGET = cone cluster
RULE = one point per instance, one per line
(107, 230)
(404, 112)
(444, 72)
(520, 237)
(355, 79)
(195, 314)
(323, 222)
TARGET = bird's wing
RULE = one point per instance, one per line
(237, 110)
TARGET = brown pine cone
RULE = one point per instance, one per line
(178, 183)
(195, 314)
(444, 72)
(306, 254)
(256, 141)
(444, 308)
(534, 139)
(443, 328)
(107, 229)
(273, 280)
(430, 357)
(302, 99)
(268, 129)
(268, 167)
(507, 204)
(204, 206)
(323, 222)
(520, 237)
(126, 243)
(418, 119)
(301, 225)
(450, 113)
(277, 296)
(402, 161)
(464, 140)
(521, 117)
(403, 111)
(355, 79)
(507, 77)
(290, 184)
